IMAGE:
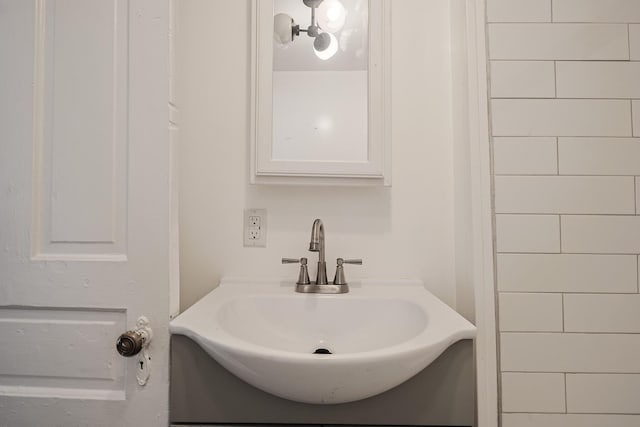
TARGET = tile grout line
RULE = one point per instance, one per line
(633, 131)
(568, 413)
(612, 254)
(560, 232)
(573, 175)
(578, 292)
(562, 136)
(625, 215)
(557, 156)
(631, 215)
(560, 59)
(592, 293)
(566, 409)
(562, 300)
(547, 371)
(629, 39)
(570, 98)
(635, 192)
(555, 79)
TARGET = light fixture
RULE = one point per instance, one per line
(329, 20)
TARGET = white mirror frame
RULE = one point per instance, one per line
(377, 169)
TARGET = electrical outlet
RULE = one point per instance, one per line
(255, 227)
(254, 221)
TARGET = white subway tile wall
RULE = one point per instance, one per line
(531, 156)
(519, 11)
(569, 420)
(596, 11)
(565, 194)
(526, 312)
(526, 392)
(524, 79)
(592, 79)
(561, 117)
(545, 42)
(565, 118)
(603, 393)
(609, 234)
(602, 313)
(570, 352)
(599, 156)
(567, 273)
(528, 233)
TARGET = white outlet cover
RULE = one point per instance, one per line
(251, 231)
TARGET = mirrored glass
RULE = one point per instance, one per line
(320, 80)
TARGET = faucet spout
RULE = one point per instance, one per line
(317, 239)
(317, 245)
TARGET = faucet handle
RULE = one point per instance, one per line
(303, 274)
(339, 278)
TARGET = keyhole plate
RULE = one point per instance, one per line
(143, 365)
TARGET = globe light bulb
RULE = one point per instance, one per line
(331, 15)
(283, 29)
(322, 41)
(330, 49)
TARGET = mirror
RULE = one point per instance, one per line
(320, 80)
(320, 88)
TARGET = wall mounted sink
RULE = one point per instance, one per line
(322, 349)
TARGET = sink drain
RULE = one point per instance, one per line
(321, 351)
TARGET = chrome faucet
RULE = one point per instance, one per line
(317, 245)
(321, 285)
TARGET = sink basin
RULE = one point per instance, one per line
(318, 348)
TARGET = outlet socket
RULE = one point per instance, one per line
(255, 227)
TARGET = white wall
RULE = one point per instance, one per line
(403, 231)
(567, 203)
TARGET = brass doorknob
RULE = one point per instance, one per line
(137, 342)
(130, 343)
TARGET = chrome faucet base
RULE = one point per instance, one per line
(329, 288)
(321, 278)
(321, 285)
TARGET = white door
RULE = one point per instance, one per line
(84, 210)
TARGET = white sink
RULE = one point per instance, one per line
(379, 334)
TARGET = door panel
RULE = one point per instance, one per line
(32, 338)
(81, 128)
(84, 209)
(84, 140)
